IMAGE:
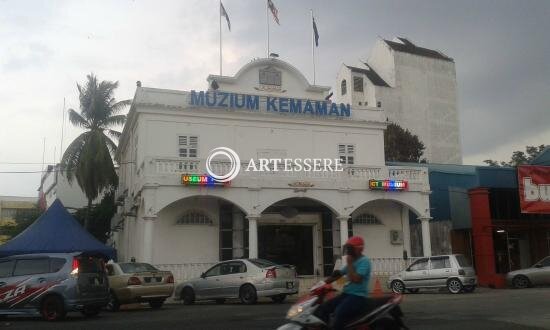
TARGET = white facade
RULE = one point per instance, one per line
(260, 214)
(55, 185)
(416, 87)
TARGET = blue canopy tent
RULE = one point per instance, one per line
(56, 231)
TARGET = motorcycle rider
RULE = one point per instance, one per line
(353, 299)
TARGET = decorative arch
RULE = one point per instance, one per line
(401, 203)
(286, 198)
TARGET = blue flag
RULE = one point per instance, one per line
(316, 33)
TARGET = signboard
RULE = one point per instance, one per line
(227, 100)
(388, 185)
(534, 189)
(200, 180)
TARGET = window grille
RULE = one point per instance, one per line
(343, 86)
(194, 218)
(366, 219)
(358, 84)
(346, 153)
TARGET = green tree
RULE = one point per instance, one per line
(519, 157)
(22, 220)
(89, 158)
(102, 214)
(400, 145)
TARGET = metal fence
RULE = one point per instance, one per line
(380, 267)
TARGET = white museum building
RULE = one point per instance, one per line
(173, 214)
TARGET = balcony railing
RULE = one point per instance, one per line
(164, 166)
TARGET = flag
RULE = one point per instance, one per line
(274, 11)
(316, 33)
(224, 13)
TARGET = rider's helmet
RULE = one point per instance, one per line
(357, 243)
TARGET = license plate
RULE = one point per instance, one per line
(290, 285)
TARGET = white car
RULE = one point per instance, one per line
(246, 279)
(538, 274)
(455, 272)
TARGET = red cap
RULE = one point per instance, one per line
(357, 242)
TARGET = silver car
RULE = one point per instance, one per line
(538, 274)
(52, 284)
(455, 272)
(246, 279)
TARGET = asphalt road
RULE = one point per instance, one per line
(484, 309)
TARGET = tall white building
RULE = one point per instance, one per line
(416, 86)
(267, 110)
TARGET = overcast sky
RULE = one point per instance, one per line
(501, 50)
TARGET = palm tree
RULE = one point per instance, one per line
(89, 158)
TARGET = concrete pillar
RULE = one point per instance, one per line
(253, 235)
(406, 230)
(426, 241)
(147, 247)
(238, 234)
(343, 220)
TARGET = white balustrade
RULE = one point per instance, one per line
(197, 166)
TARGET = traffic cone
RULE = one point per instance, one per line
(377, 290)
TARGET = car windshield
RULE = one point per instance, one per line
(137, 267)
(463, 261)
(262, 263)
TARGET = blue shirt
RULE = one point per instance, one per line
(362, 268)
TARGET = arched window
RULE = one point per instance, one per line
(366, 219)
(194, 217)
(344, 87)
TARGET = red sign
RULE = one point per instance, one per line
(534, 189)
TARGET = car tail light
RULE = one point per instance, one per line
(461, 272)
(170, 279)
(134, 281)
(76, 264)
(271, 273)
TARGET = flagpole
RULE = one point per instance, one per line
(220, 10)
(267, 21)
(312, 45)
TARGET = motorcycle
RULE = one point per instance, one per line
(382, 313)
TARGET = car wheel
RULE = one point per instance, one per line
(397, 287)
(521, 282)
(188, 296)
(113, 305)
(90, 311)
(220, 301)
(413, 290)
(454, 285)
(469, 288)
(53, 308)
(279, 298)
(156, 304)
(248, 295)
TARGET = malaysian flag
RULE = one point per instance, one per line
(274, 11)
(224, 13)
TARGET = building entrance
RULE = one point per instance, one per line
(287, 244)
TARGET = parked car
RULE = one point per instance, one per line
(52, 284)
(137, 282)
(455, 272)
(246, 279)
(538, 274)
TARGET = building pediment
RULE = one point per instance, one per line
(269, 76)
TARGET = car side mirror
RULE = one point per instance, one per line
(203, 275)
